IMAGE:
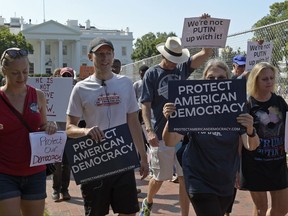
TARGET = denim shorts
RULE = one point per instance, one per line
(31, 187)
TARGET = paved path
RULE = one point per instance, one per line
(165, 203)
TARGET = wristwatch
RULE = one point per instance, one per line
(253, 133)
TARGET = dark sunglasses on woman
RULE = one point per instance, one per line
(13, 53)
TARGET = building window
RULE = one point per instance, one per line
(65, 50)
(48, 70)
(124, 51)
(47, 49)
(31, 68)
(64, 64)
(84, 50)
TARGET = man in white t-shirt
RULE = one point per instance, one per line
(106, 100)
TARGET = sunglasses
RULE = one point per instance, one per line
(13, 53)
(66, 74)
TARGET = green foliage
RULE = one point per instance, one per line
(278, 12)
(8, 40)
(228, 53)
(145, 46)
(277, 33)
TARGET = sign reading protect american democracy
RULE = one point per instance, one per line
(90, 160)
(206, 105)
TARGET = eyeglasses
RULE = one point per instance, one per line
(66, 75)
(216, 78)
(13, 53)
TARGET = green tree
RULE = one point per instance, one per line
(278, 12)
(145, 46)
(8, 40)
(276, 33)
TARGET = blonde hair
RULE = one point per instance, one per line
(216, 63)
(253, 76)
(6, 59)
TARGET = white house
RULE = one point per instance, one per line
(57, 45)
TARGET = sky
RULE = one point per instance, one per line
(141, 17)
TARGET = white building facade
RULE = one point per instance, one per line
(56, 45)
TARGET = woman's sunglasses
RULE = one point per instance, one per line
(13, 53)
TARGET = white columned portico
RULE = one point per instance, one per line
(60, 53)
(77, 57)
(42, 57)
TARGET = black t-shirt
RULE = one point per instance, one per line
(265, 169)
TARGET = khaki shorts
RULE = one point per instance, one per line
(162, 161)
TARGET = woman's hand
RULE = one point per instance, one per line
(168, 109)
(51, 128)
(247, 121)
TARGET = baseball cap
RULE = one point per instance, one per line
(96, 43)
(67, 70)
(239, 59)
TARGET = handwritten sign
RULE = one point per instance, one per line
(90, 160)
(258, 53)
(206, 105)
(210, 32)
(46, 148)
(57, 91)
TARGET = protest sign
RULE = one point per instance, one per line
(258, 53)
(46, 148)
(90, 160)
(209, 32)
(57, 91)
(85, 71)
(206, 105)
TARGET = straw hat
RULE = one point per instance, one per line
(173, 51)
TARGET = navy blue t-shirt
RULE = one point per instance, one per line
(211, 161)
(155, 90)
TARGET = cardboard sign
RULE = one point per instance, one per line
(90, 160)
(210, 32)
(46, 148)
(206, 105)
(258, 53)
(57, 91)
(86, 71)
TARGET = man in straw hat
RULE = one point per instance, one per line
(175, 65)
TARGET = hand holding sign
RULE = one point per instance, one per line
(258, 51)
(95, 133)
(168, 109)
(114, 154)
(46, 148)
